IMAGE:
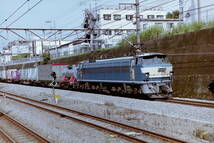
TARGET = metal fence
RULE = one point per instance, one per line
(22, 61)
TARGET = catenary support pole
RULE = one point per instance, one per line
(138, 44)
(199, 10)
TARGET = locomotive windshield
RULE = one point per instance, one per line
(155, 59)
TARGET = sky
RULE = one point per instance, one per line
(58, 13)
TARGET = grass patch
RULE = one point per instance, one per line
(46, 58)
(21, 56)
(157, 32)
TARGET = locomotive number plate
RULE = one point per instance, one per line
(162, 70)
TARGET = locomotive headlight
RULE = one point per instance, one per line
(171, 74)
(147, 74)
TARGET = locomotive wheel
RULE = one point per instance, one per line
(113, 89)
(93, 87)
(135, 91)
(129, 89)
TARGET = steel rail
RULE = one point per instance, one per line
(188, 102)
(29, 131)
(120, 125)
(6, 137)
(106, 130)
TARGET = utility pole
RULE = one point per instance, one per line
(91, 29)
(181, 9)
(199, 10)
(138, 44)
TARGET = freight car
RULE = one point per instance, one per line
(37, 75)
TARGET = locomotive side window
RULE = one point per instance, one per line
(155, 59)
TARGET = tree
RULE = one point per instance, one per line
(173, 15)
(46, 58)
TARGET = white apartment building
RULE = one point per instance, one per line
(5, 56)
(60, 51)
(198, 10)
(18, 47)
(69, 49)
(33, 48)
(46, 46)
(123, 17)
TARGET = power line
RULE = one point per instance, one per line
(194, 9)
(77, 29)
(120, 10)
(54, 29)
(13, 13)
(24, 13)
(199, 8)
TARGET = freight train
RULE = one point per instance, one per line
(148, 74)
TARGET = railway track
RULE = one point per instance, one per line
(188, 102)
(94, 121)
(12, 131)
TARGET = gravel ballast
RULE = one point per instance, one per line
(55, 128)
(180, 121)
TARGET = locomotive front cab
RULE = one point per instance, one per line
(157, 73)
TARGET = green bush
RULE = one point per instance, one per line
(21, 56)
(184, 28)
(157, 31)
(198, 26)
(150, 33)
(153, 32)
(210, 24)
(46, 58)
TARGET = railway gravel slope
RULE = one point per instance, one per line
(178, 121)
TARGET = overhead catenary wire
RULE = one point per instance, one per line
(195, 9)
(14, 12)
(115, 11)
(149, 8)
(24, 14)
(145, 10)
(133, 14)
(40, 1)
(199, 8)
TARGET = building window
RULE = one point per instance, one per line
(141, 17)
(107, 16)
(130, 31)
(65, 53)
(118, 32)
(98, 17)
(129, 17)
(160, 17)
(145, 26)
(159, 24)
(107, 32)
(170, 25)
(150, 16)
(117, 17)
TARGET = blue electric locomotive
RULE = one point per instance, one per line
(148, 74)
